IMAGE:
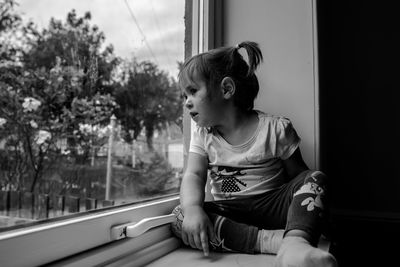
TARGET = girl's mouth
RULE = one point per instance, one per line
(193, 115)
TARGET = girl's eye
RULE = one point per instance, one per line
(192, 91)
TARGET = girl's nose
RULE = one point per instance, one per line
(188, 103)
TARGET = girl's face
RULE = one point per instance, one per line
(204, 107)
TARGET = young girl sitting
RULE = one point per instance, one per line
(266, 200)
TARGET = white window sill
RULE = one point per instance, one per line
(50, 242)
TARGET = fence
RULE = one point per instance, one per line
(31, 206)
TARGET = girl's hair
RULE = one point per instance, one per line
(216, 64)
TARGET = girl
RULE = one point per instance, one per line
(259, 180)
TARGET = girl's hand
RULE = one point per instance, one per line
(197, 229)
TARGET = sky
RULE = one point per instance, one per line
(145, 29)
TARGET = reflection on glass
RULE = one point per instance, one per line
(85, 122)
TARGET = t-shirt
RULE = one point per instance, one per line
(252, 168)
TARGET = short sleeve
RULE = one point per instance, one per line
(197, 142)
(287, 138)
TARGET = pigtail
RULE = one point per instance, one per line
(254, 54)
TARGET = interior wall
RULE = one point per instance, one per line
(284, 31)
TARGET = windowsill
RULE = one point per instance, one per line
(136, 251)
(49, 242)
(184, 256)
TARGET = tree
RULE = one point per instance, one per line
(10, 22)
(77, 44)
(59, 81)
(8, 18)
(34, 119)
(148, 100)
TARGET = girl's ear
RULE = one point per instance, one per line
(228, 87)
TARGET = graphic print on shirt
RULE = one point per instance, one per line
(230, 182)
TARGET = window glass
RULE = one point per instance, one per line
(90, 110)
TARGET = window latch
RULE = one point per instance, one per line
(134, 229)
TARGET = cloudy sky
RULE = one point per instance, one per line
(146, 29)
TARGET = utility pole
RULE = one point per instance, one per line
(109, 156)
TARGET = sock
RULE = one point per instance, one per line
(269, 241)
(230, 235)
(233, 236)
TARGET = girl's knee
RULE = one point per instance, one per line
(315, 183)
(316, 177)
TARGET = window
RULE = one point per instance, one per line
(90, 110)
(73, 85)
(48, 240)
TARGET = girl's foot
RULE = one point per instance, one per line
(297, 252)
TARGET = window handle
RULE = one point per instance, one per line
(135, 229)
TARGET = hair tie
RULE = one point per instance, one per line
(238, 46)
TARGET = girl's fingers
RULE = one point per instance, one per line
(204, 242)
(185, 238)
(197, 241)
(191, 241)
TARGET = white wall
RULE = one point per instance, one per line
(284, 30)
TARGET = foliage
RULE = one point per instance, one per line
(148, 100)
(10, 22)
(8, 19)
(77, 44)
(154, 176)
(48, 98)
(35, 118)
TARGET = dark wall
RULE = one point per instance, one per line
(360, 115)
(360, 107)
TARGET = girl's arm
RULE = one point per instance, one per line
(295, 164)
(197, 229)
(193, 182)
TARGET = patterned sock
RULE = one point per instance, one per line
(307, 210)
(233, 236)
(230, 235)
(269, 241)
(176, 226)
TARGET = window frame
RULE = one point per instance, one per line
(48, 242)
